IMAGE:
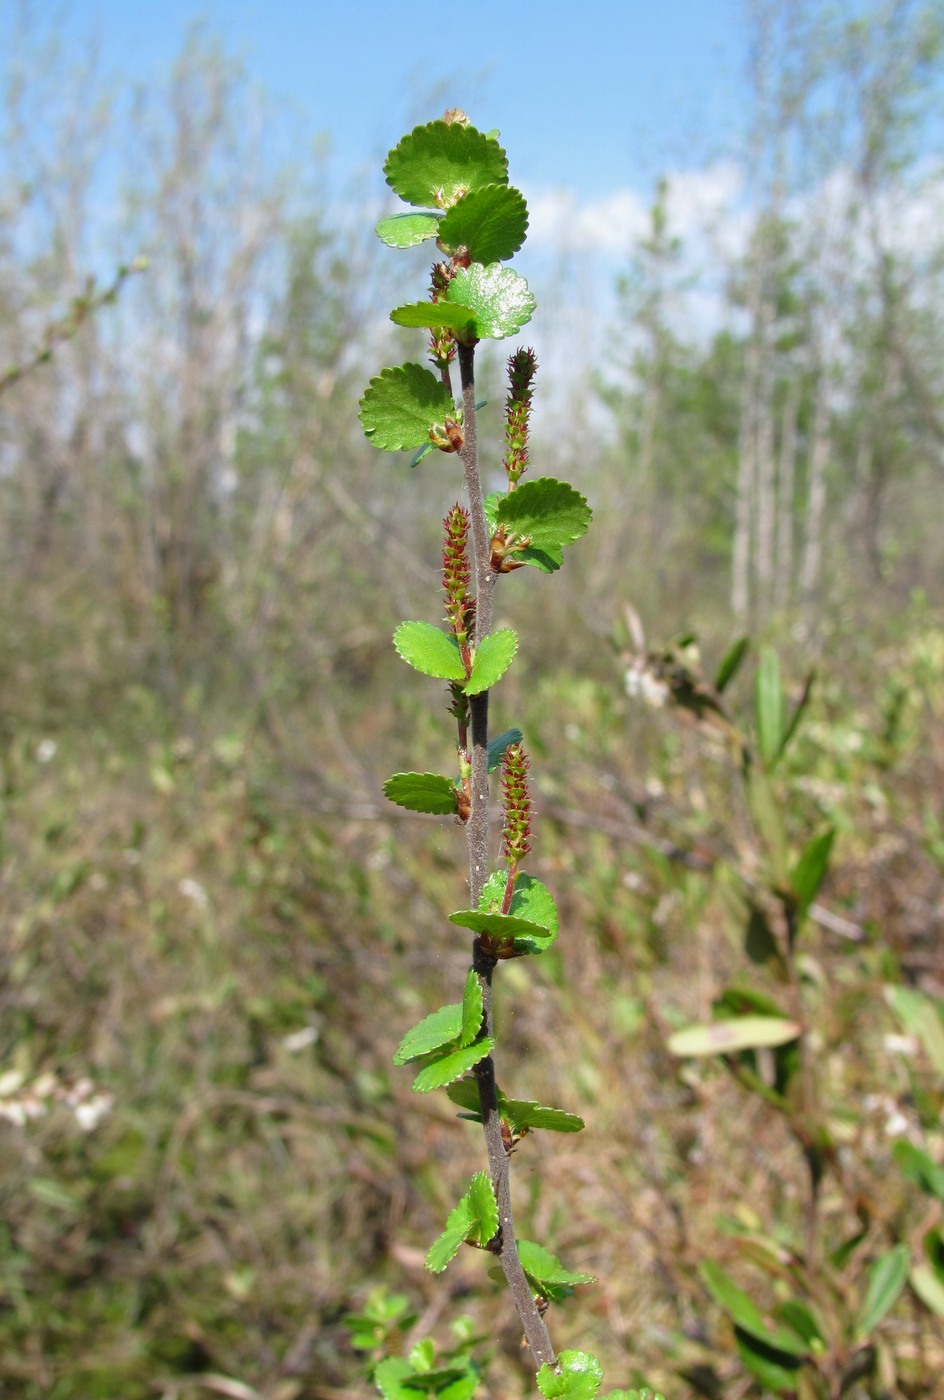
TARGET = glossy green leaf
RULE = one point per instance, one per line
(498, 298)
(493, 655)
(579, 1378)
(475, 1219)
(439, 1028)
(429, 649)
(422, 792)
(401, 405)
(731, 664)
(808, 874)
(491, 223)
(920, 1016)
(549, 514)
(436, 316)
(887, 1278)
(498, 745)
(451, 1065)
(407, 230)
(438, 163)
(472, 1005)
(727, 1037)
(770, 707)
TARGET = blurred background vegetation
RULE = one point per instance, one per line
(214, 930)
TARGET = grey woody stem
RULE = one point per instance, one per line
(505, 1248)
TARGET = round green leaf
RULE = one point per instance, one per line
(451, 1066)
(498, 298)
(549, 513)
(400, 406)
(491, 223)
(439, 1028)
(493, 655)
(422, 792)
(429, 649)
(406, 230)
(579, 1378)
(438, 163)
(727, 1037)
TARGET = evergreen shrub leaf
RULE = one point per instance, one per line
(430, 650)
(401, 405)
(422, 792)
(493, 655)
(498, 745)
(438, 163)
(726, 1037)
(517, 1113)
(475, 1219)
(579, 1378)
(439, 1028)
(407, 230)
(547, 1274)
(452, 1065)
(498, 298)
(436, 316)
(491, 223)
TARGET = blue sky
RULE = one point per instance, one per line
(593, 96)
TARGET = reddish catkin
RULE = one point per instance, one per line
(522, 367)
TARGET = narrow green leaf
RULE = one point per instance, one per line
(499, 299)
(407, 230)
(887, 1278)
(579, 1378)
(422, 792)
(919, 1015)
(745, 1313)
(497, 746)
(452, 1065)
(798, 712)
(549, 513)
(401, 405)
(491, 223)
(472, 1007)
(765, 810)
(731, 663)
(493, 655)
(808, 874)
(770, 707)
(777, 1370)
(929, 1288)
(919, 1167)
(438, 163)
(726, 1037)
(439, 1028)
(430, 650)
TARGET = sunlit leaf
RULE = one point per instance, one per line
(579, 1378)
(493, 655)
(549, 513)
(451, 1065)
(406, 230)
(727, 1037)
(438, 163)
(491, 223)
(422, 792)
(472, 1005)
(919, 1015)
(401, 405)
(498, 298)
(808, 874)
(430, 650)
(887, 1278)
(439, 1028)
(475, 1218)
(770, 707)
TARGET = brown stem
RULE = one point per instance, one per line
(506, 1249)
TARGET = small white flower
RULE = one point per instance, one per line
(193, 890)
(46, 750)
(89, 1114)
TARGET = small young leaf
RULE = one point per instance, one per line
(475, 1218)
(579, 1378)
(439, 1028)
(499, 299)
(731, 664)
(472, 1005)
(423, 1355)
(438, 163)
(400, 406)
(726, 1037)
(769, 703)
(551, 514)
(422, 792)
(491, 223)
(390, 1376)
(406, 230)
(547, 1274)
(497, 746)
(451, 1065)
(437, 316)
(524, 1113)
(429, 649)
(493, 655)
(887, 1278)
(808, 874)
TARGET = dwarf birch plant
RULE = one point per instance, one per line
(455, 180)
